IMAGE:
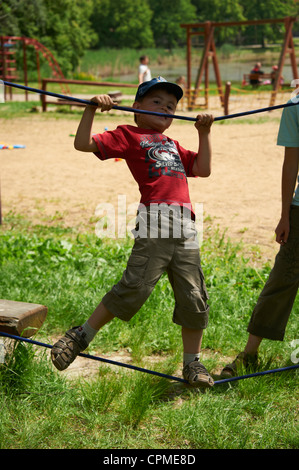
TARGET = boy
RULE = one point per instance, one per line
(160, 166)
(271, 313)
(144, 73)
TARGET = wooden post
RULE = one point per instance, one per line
(38, 69)
(208, 34)
(43, 97)
(207, 81)
(209, 51)
(226, 98)
(3, 63)
(25, 68)
(217, 71)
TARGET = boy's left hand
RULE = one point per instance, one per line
(203, 123)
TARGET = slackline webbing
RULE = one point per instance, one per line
(148, 371)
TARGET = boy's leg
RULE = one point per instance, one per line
(147, 262)
(100, 317)
(144, 268)
(191, 340)
(67, 348)
(191, 344)
(191, 309)
(183, 268)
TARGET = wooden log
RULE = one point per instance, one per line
(21, 318)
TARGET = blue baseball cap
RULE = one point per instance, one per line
(160, 82)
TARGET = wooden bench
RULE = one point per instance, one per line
(247, 77)
(21, 318)
(115, 95)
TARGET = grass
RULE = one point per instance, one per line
(112, 63)
(120, 409)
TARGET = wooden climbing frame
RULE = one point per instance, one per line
(206, 30)
(8, 71)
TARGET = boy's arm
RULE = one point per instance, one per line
(288, 182)
(202, 163)
(83, 140)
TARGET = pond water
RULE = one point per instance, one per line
(230, 71)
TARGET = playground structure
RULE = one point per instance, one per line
(8, 71)
(207, 30)
(8, 66)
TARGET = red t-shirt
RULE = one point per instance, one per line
(159, 165)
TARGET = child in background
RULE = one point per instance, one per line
(144, 73)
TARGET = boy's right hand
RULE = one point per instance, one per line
(104, 102)
(203, 123)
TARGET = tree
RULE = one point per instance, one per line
(22, 18)
(266, 9)
(62, 26)
(217, 10)
(122, 24)
(166, 20)
(68, 31)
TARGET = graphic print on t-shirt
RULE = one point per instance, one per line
(163, 156)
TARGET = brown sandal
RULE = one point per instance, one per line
(67, 348)
(197, 375)
(243, 361)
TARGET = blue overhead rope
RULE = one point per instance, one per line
(148, 371)
(142, 111)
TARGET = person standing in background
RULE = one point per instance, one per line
(144, 73)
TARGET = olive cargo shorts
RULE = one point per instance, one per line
(151, 256)
(271, 313)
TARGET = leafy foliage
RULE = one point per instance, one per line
(70, 27)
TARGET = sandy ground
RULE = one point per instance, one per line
(50, 182)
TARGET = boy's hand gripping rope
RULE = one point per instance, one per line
(141, 111)
(148, 371)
